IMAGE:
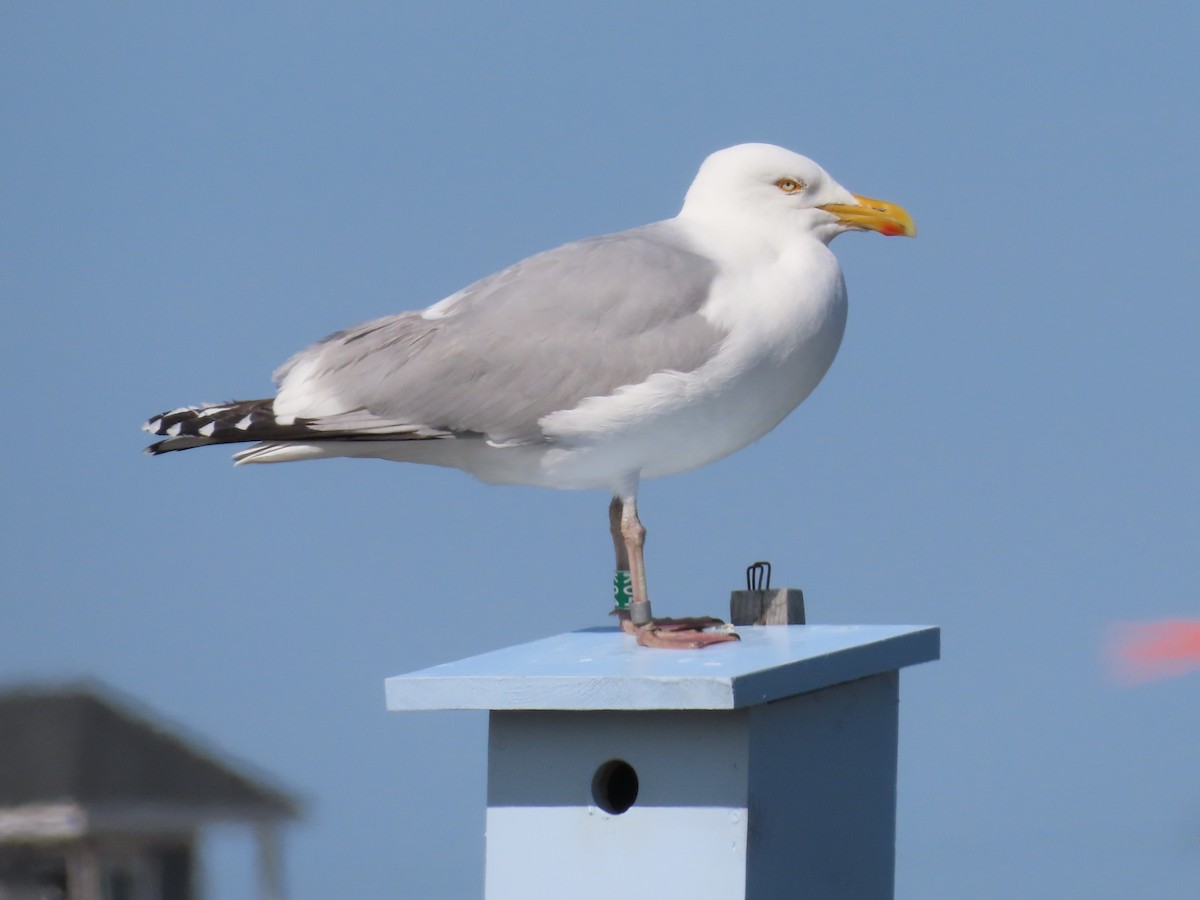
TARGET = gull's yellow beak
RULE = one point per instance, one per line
(875, 215)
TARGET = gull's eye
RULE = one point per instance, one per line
(790, 185)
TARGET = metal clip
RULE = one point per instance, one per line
(758, 576)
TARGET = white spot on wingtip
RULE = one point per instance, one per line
(152, 426)
(243, 423)
(207, 430)
(174, 430)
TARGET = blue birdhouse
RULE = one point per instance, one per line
(759, 769)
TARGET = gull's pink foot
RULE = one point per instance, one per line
(676, 634)
(683, 639)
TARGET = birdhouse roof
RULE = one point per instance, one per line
(601, 668)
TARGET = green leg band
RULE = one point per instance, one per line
(622, 589)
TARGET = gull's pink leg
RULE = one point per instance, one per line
(635, 541)
(618, 539)
(629, 541)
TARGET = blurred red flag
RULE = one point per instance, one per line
(1147, 651)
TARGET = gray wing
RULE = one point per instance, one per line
(578, 321)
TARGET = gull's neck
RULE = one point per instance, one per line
(732, 232)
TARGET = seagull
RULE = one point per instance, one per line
(594, 365)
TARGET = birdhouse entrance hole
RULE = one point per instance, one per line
(615, 786)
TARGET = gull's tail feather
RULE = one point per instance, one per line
(218, 423)
(242, 421)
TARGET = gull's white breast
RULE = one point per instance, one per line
(785, 323)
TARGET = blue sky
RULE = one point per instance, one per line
(1006, 445)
